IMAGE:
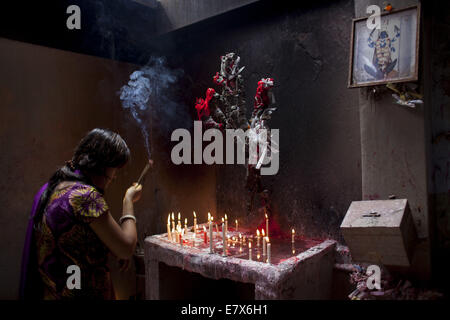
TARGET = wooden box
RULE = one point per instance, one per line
(380, 232)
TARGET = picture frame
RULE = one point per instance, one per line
(386, 55)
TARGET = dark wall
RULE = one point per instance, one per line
(437, 15)
(118, 30)
(305, 48)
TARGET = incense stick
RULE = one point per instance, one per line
(144, 172)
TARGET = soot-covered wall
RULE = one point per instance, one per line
(305, 48)
(438, 19)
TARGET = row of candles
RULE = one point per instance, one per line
(176, 234)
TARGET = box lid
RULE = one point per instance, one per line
(375, 213)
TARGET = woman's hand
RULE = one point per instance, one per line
(133, 193)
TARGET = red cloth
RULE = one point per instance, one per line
(261, 97)
(202, 105)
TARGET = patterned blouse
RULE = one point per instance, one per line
(65, 238)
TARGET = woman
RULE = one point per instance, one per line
(71, 223)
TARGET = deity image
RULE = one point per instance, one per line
(383, 62)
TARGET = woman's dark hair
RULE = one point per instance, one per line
(98, 150)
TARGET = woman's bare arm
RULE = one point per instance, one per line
(120, 239)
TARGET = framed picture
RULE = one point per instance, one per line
(386, 54)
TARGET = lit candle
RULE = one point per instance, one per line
(179, 218)
(263, 235)
(240, 242)
(257, 238)
(293, 241)
(264, 245)
(185, 224)
(210, 234)
(237, 225)
(267, 224)
(226, 223)
(249, 250)
(268, 251)
(169, 235)
(173, 221)
(195, 223)
(224, 238)
(181, 236)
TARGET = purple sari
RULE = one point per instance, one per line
(29, 280)
(68, 213)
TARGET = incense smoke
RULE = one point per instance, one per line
(135, 97)
(147, 95)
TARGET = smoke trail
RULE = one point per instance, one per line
(135, 97)
(147, 88)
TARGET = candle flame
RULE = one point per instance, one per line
(179, 216)
(257, 232)
(195, 216)
(212, 218)
(204, 228)
(173, 216)
(267, 240)
(168, 219)
(226, 218)
(236, 221)
(293, 231)
(240, 235)
(223, 221)
(185, 220)
(209, 216)
(249, 245)
(263, 233)
(267, 216)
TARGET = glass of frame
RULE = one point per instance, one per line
(387, 54)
